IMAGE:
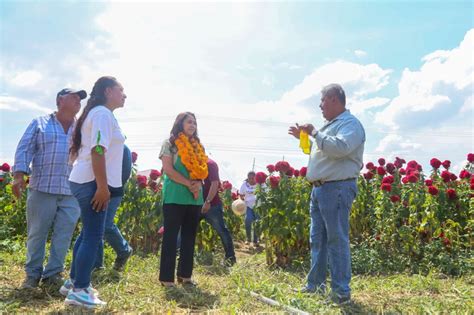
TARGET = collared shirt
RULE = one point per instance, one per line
(45, 145)
(337, 153)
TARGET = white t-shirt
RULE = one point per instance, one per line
(100, 128)
(249, 194)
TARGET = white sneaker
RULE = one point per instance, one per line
(68, 285)
(84, 298)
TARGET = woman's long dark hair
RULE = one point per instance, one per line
(178, 127)
(97, 97)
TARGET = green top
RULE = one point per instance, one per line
(174, 192)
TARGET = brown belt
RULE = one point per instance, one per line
(318, 183)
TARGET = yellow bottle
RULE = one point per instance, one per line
(305, 145)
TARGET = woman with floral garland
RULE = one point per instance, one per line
(184, 167)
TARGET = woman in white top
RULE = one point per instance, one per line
(96, 176)
(247, 193)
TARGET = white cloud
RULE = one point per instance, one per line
(360, 53)
(15, 104)
(358, 81)
(26, 78)
(396, 144)
(441, 88)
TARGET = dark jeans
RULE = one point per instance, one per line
(87, 244)
(112, 234)
(215, 217)
(251, 219)
(176, 217)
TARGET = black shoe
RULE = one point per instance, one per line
(230, 261)
(340, 300)
(53, 281)
(120, 262)
(30, 283)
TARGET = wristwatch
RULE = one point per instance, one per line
(208, 201)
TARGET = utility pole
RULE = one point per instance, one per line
(253, 165)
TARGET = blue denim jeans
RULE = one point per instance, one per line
(112, 234)
(251, 219)
(87, 244)
(329, 236)
(215, 217)
(43, 212)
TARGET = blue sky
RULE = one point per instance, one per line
(248, 70)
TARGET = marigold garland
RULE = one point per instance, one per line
(192, 156)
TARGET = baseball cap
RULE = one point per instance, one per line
(82, 94)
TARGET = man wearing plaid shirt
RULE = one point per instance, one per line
(45, 145)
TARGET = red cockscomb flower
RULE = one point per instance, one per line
(370, 166)
(435, 163)
(446, 176)
(5, 167)
(429, 182)
(390, 168)
(412, 164)
(464, 174)
(368, 175)
(381, 161)
(381, 171)
(134, 157)
(274, 181)
(470, 157)
(282, 166)
(446, 164)
(388, 180)
(433, 190)
(271, 168)
(260, 177)
(395, 198)
(412, 178)
(303, 171)
(386, 187)
(451, 193)
(154, 174)
(226, 185)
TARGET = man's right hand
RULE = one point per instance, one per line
(294, 131)
(18, 184)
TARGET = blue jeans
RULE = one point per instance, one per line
(43, 211)
(329, 236)
(251, 218)
(92, 234)
(215, 217)
(112, 234)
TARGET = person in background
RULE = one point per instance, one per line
(50, 203)
(213, 213)
(247, 193)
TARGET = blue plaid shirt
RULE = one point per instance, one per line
(46, 145)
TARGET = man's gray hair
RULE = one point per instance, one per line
(335, 89)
